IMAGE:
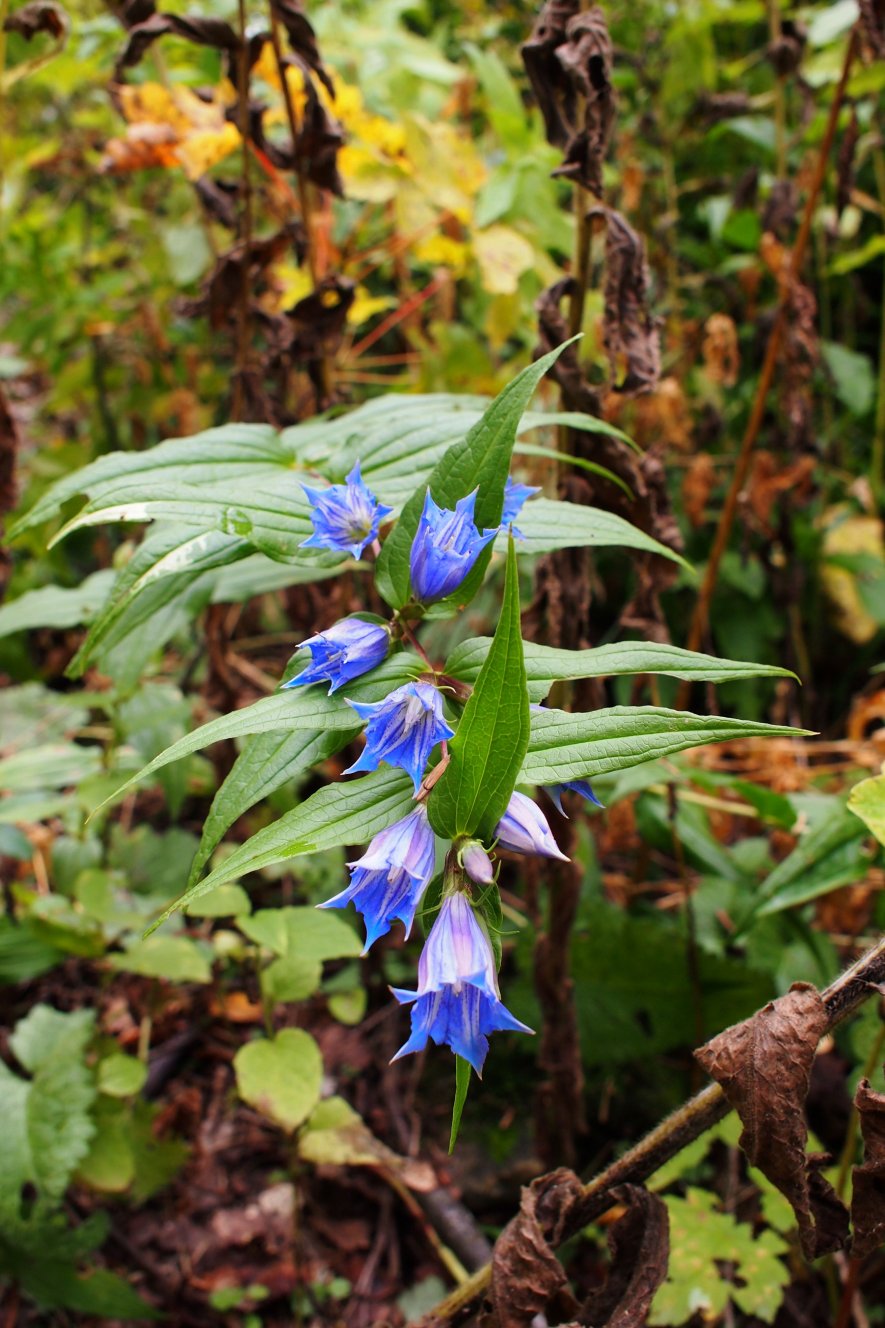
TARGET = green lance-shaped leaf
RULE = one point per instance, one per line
(487, 750)
(289, 711)
(565, 746)
(482, 460)
(546, 665)
(346, 813)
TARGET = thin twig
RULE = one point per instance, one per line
(686, 1124)
(245, 237)
(700, 619)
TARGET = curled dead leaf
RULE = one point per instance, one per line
(525, 1270)
(640, 1249)
(38, 16)
(764, 1067)
(868, 1179)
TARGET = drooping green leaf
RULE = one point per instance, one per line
(481, 460)
(343, 813)
(545, 664)
(54, 606)
(488, 747)
(565, 746)
(281, 1077)
(547, 524)
(462, 1084)
(267, 761)
(828, 855)
(287, 711)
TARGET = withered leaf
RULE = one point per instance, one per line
(203, 31)
(568, 59)
(868, 1180)
(219, 198)
(302, 37)
(525, 1271)
(764, 1067)
(38, 16)
(640, 1248)
(629, 330)
(318, 140)
(8, 448)
(785, 52)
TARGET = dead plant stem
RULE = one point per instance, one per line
(700, 619)
(850, 990)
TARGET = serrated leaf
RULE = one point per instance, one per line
(281, 1077)
(45, 1034)
(565, 746)
(488, 747)
(481, 460)
(344, 813)
(546, 664)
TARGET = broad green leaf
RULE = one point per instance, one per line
(310, 708)
(53, 606)
(489, 744)
(481, 460)
(547, 524)
(53, 766)
(567, 458)
(281, 1077)
(867, 800)
(237, 452)
(176, 958)
(696, 1283)
(545, 664)
(817, 864)
(120, 1075)
(565, 746)
(345, 813)
(292, 978)
(298, 930)
(225, 901)
(267, 761)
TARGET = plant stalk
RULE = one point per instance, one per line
(700, 620)
(850, 990)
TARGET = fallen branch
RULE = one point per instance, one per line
(704, 1110)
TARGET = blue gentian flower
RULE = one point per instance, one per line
(387, 882)
(524, 829)
(515, 496)
(581, 786)
(446, 546)
(402, 730)
(342, 652)
(457, 1001)
(345, 516)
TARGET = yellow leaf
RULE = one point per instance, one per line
(442, 251)
(199, 152)
(850, 534)
(365, 306)
(503, 255)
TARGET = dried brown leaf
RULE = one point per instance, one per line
(629, 330)
(568, 59)
(868, 1180)
(697, 485)
(302, 37)
(212, 32)
(764, 1066)
(640, 1248)
(525, 1270)
(38, 16)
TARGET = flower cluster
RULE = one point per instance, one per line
(457, 1001)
